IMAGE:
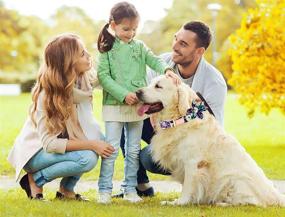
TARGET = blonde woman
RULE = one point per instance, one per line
(56, 140)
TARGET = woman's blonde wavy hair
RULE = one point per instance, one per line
(56, 78)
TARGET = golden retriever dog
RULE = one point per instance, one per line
(212, 166)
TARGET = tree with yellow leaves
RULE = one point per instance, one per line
(258, 55)
(20, 41)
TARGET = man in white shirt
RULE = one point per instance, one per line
(186, 58)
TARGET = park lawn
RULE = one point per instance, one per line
(262, 136)
(14, 203)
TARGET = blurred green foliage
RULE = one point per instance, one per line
(228, 19)
(23, 38)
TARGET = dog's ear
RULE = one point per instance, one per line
(183, 99)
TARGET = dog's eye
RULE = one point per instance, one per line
(157, 86)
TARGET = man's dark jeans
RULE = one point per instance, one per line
(146, 161)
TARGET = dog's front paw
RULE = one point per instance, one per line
(222, 204)
(169, 202)
(179, 201)
(165, 202)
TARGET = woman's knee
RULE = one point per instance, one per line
(88, 160)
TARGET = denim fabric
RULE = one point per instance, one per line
(133, 131)
(45, 167)
(147, 134)
(149, 164)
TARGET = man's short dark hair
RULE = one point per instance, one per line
(202, 31)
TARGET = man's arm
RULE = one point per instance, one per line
(215, 96)
(151, 74)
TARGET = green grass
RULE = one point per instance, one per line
(262, 136)
(16, 204)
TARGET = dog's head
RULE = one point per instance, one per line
(162, 94)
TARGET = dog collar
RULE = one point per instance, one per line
(197, 109)
(206, 104)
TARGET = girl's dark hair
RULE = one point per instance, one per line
(119, 11)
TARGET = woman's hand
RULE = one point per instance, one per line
(103, 149)
(131, 99)
(100, 147)
(170, 74)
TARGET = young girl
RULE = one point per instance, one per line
(54, 142)
(122, 71)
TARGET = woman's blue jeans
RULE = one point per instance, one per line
(46, 167)
(133, 132)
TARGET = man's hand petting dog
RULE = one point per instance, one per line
(170, 74)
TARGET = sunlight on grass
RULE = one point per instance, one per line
(149, 207)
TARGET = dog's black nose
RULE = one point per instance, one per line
(139, 93)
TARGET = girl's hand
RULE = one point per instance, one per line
(103, 149)
(131, 99)
(170, 74)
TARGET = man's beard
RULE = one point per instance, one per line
(187, 62)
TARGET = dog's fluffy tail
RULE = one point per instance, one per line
(272, 196)
(281, 200)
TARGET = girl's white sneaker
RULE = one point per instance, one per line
(132, 197)
(104, 198)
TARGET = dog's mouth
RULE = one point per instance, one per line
(150, 108)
